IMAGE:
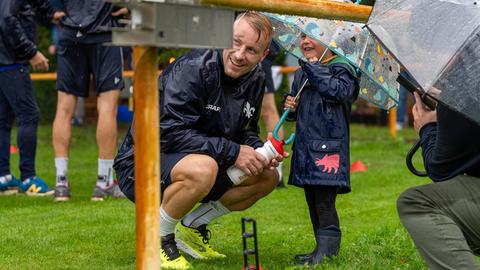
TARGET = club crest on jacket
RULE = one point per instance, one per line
(248, 110)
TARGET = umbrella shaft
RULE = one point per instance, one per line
(300, 91)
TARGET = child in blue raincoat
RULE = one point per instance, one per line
(320, 160)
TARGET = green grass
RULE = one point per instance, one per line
(36, 233)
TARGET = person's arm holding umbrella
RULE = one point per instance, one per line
(451, 155)
(445, 150)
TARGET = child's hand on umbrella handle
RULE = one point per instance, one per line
(290, 103)
(313, 59)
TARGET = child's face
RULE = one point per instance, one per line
(311, 48)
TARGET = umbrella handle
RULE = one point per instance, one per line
(412, 88)
(279, 124)
(409, 162)
(284, 116)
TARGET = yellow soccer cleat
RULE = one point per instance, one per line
(170, 256)
(194, 242)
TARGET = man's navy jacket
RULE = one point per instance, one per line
(87, 21)
(17, 29)
(204, 111)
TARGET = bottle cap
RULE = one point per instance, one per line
(278, 145)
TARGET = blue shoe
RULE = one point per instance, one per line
(9, 186)
(35, 186)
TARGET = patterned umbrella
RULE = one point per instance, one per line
(351, 41)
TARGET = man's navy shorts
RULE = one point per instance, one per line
(77, 61)
(167, 162)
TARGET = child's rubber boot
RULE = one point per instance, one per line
(328, 244)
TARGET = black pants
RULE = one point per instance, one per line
(17, 99)
(321, 204)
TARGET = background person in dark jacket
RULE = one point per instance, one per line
(80, 54)
(210, 105)
(321, 150)
(443, 218)
(17, 99)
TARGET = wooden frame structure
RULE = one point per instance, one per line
(147, 163)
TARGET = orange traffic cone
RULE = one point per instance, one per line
(13, 149)
(358, 166)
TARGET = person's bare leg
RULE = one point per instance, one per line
(192, 179)
(270, 118)
(242, 197)
(270, 113)
(107, 103)
(236, 198)
(62, 125)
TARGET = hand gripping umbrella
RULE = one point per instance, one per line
(284, 116)
(438, 43)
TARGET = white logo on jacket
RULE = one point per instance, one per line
(248, 110)
(212, 107)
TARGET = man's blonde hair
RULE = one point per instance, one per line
(259, 22)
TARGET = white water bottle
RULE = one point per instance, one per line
(269, 150)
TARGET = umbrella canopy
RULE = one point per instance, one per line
(350, 41)
(438, 42)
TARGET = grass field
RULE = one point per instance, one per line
(36, 233)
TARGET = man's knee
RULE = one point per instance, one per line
(6, 122)
(66, 106)
(107, 102)
(29, 118)
(271, 181)
(409, 202)
(107, 109)
(266, 182)
(197, 173)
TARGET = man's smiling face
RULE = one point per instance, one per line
(249, 48)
